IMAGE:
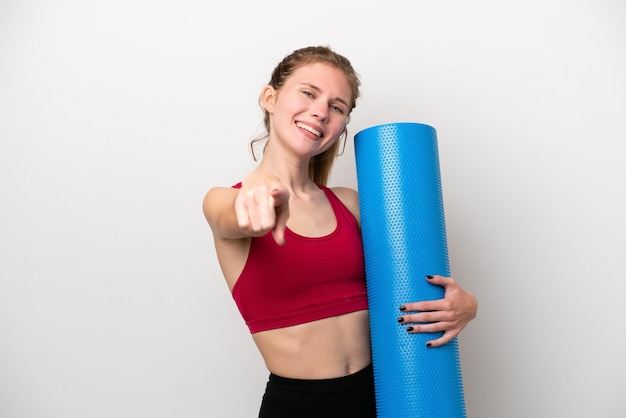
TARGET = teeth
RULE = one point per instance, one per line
(308, 128)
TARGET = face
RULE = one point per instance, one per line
(310, 111)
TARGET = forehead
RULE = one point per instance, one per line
(325, 77)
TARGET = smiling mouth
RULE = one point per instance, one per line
(308, 129)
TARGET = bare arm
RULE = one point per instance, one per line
(219, 210)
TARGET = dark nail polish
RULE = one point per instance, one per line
(429, 277)
(429, 345)
(400, 319)
(403, 308)
(409, 329)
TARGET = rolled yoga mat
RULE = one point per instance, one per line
(404, 239)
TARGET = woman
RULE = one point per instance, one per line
(290, 250)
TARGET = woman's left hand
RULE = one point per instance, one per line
(448, 315)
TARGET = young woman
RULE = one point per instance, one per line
(290, 250)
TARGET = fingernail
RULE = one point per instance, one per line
(429, 345)
(409, 329)
(403, 308)
(400, 319)
(429, 277)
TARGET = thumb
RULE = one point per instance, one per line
(438, 280)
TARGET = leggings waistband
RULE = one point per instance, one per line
(364, 376)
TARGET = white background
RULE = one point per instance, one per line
(117, 116)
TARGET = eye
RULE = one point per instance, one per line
(337, 109)
(307, 93)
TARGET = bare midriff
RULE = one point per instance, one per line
(322, 349)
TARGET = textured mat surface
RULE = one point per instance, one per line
(404, 239)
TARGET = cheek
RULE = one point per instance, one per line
(341, 128)
(331, 143)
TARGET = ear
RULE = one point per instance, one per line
(268, 98)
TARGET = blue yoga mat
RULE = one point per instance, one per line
(404, 239)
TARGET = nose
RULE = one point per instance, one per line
(320, 110)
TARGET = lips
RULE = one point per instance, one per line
(309, 129)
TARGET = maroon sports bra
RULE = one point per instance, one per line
(306, 279)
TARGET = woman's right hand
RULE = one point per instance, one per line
(262, 205)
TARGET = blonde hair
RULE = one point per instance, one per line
(321, 164)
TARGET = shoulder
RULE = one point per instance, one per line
(350, 198)
(218, 192)
(215, 198)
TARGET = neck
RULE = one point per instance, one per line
(292, 172)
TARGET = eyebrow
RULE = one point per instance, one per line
(336, 99)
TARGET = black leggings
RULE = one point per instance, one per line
(345, 397)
